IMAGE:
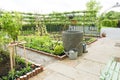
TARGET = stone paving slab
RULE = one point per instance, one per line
(103, 50)
(100, 58)
(73, 73)
(57, 76)
(72, 63)
(42, 75)
(86, 76)
(90, 67)
(64, 69)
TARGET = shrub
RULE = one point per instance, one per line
(109, 23)
(59, 49)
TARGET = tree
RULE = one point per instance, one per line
(11, 24)
(92, 5)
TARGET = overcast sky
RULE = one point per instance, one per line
(48, 6)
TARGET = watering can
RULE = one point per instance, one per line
(72, 54)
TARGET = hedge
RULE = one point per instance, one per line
(109, 23)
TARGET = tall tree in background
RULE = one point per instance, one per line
(94, 6)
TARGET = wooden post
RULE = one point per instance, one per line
(12, 54)
(11, 57)
(25, 56)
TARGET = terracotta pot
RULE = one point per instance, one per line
(74, 21)
(103, 34)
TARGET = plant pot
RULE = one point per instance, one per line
(74, 21)
(103, 34)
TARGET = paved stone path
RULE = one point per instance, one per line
(85, 67)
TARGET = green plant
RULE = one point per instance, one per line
(20, 61)
(4, 78)
(11, 75)
(18, 74)
(59, 49)
(1, 59)
(11, 24)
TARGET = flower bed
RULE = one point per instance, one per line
(21, 70)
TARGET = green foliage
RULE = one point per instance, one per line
(20, 68)
(110, 19)
(11, 24)
(109, 23)
(92, 5)
(11, 75)
(20, 61)
(112, 15)
(4, 78)
(5, 53)
(43, 43)
(59, 49)
(89, 40)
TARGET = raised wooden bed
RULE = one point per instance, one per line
(45, 53)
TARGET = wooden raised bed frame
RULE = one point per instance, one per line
(45, 53)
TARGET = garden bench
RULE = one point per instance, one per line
(112, 70)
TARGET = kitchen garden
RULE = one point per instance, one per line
(44, 35)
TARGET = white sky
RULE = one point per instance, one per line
(48, 6)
